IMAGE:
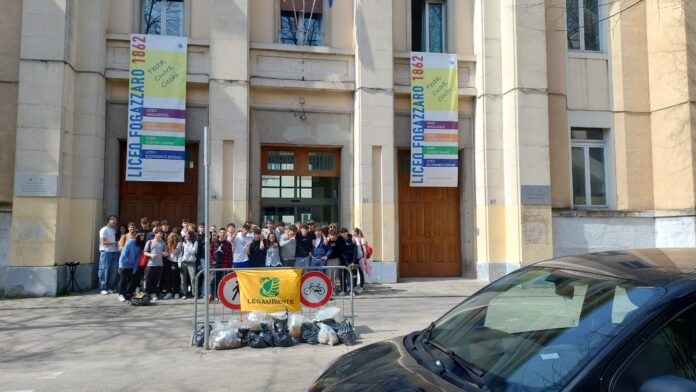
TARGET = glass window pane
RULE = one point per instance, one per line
(435, 28)
(288, 28)
(573, 24)
(306, 181)
(151, 17)
(288, 181)
(587, 134)
(313, 35)
(591, 24)
(597, 176)
(281, 160)
(267, 181)
(578, 155)
(270, 192)
(175, 17)
(287, 193)
(321, 161)
(306, 193)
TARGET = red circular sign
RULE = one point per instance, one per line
(228, 291)
(315, 289)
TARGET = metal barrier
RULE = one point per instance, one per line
(306, 311)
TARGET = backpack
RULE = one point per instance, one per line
(368, 251)
(140, 299)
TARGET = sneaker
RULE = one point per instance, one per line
(168, 296)
(177, 296)
(122, 298)
(154, 298)
(104, 292)
(359, 290)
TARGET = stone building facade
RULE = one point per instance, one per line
(576, 122)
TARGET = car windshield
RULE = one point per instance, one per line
(533, 330)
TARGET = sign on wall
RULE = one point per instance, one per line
(156, 109)
(434, 120)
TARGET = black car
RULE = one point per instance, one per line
(611, 321)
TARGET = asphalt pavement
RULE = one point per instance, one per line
(92, 342)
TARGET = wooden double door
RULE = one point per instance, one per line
(429, 228)
(172, 201)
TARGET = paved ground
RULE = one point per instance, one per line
(92, 342)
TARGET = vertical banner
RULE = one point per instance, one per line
(434, 120)
(156, 109)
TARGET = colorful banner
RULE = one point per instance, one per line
(269, 290)
(157, 109)
(434, 120)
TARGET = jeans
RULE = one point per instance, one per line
(152, 278)
(188, 273)
(201, 286)
(333, 272)
(301, 261)
(317, 263)
(108, 271)
(126, 284)
(348, 276)
(242, 264)
(171, 281)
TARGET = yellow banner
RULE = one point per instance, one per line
(269, 290)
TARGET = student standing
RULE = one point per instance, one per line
(155, 250)
(287, 246)
(273, 251)
(240, 244)
(108, 256)
(333, 261)
(220, 257)
(257, 249)
(360, 242)
(170, 282)
(346, 249)
(303, 246)
(127, 264)
(187, 263)
(320, 250)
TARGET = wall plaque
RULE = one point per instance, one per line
(36, 184)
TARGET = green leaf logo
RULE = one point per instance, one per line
(270, 287)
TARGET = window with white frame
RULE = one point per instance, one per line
(582, 24)
(162, 17)
(589, 167)
(428, 26)
(301, 22)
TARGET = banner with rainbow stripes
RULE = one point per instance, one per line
(434, 120)
(156, 109)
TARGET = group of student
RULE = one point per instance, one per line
(164, 261)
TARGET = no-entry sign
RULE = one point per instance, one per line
(316, 289)
(228, 291)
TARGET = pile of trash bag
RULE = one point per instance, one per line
(281, 329)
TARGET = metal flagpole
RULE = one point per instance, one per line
(206, 279)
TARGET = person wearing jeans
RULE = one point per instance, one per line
(320, 250)
(303, 246)
(188, 263)
(108, 256)
(220, 257)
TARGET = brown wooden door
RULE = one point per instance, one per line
(429, 241)
(172, 201)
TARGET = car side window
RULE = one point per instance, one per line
(671, 352)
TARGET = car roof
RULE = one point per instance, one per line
(659, 266)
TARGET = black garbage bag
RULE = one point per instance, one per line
(310, 333)
(199, 337)
(331, 323)
(280, 325)
(267, 337)
(346, 333)
(281, 337)
(254, 340)
(243, 335)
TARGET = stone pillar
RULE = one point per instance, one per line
(60, 139)
(512, 153)
(229, 110)
(631, 99)
(375, 174)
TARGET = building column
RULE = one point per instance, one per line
(375, 173)
(60, 143)
(229, 111)
(512, 131)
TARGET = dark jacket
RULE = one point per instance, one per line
(257, 257)
(303, 244)
(220, 254)
(345, 249)
(321, 250)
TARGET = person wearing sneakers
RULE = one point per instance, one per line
(346, 255)
(155, 250)
(127, 264)
(108, 256)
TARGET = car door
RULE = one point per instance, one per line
(668, 348)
